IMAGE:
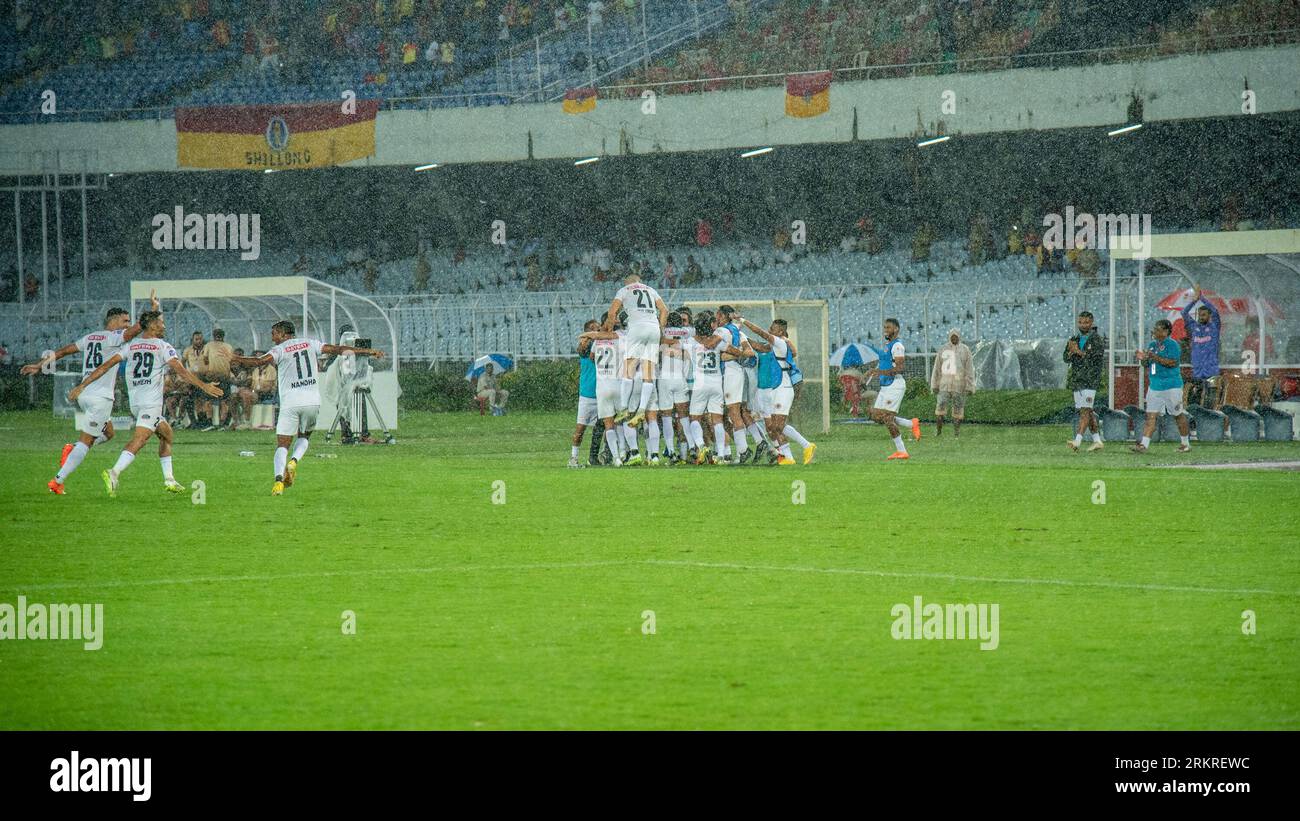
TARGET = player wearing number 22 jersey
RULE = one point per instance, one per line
(147, 359)
(298, 369)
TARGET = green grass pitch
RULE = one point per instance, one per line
(767, 614)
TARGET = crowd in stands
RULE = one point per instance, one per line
(940, 36)
(205, 51)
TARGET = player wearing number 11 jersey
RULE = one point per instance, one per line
(147, 360)
(296, 365)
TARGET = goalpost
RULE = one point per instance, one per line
(809, 330)
(246, 308)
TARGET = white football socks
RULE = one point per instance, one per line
(612, 440)
(1078, 439)
(738, 436)
(756, 431)
(1146, 440)
(791, 433)
(697, 433)
(300, 447)
(124, 460)
(573, 452)
(79, 451)
(647, 390)
(166, 462)
(720, 437)
(898, 420)
(667, 425)
(898, 445)
(281, 459)
(624, 393)
(652, 438)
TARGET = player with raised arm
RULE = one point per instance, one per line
(148, 359)
(707, 351)
(892, 388)
(778, 372)
(96, 401)
(297, 366)
(646, 316)
(733, 378)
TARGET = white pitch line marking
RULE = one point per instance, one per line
(888, 574)
(838, 571)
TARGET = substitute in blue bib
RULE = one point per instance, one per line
(586, 398)
(1165, 391)
(893, 386)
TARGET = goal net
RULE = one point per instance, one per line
(809, 330)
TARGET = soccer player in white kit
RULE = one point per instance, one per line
(147, 358)
(776, 404)
(707, 352)
(672, 397)
(96, 401)
(295, 359)
(607, 349)
(646, 316)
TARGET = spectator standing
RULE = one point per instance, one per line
(196, 403)
(1203, 334)
(951, 381)
(216, 368)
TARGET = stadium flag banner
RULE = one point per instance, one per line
(807, 95)
(579, 100)
(258, 137)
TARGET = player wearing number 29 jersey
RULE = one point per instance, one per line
(147, 360)
(96, 402)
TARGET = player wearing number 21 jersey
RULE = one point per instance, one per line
(295, 359)
(147, 358)
(646, 316)
(96, 401)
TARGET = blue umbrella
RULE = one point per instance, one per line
(852, 355)
(499, 362)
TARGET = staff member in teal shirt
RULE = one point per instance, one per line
(586, 399)
(1165, 390)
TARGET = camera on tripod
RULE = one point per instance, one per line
(355, 404)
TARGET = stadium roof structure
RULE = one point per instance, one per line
(245, 309)
(1262, 267)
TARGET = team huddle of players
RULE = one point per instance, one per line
(677, 374)
(146, 358)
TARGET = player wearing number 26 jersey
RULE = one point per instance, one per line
(298, 370)
(96, 401)
(147, 360)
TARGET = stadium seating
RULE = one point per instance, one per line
(145, 58)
